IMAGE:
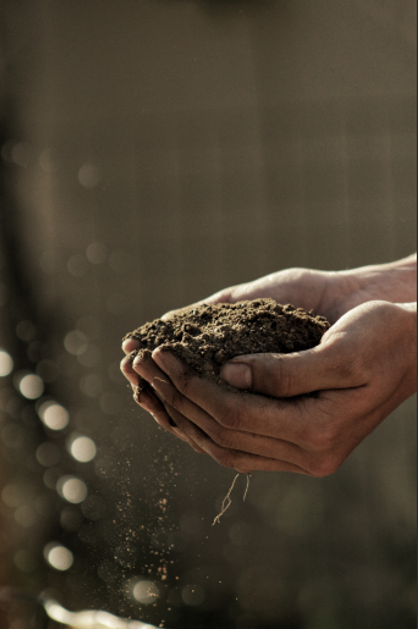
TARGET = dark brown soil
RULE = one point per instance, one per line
(207, 336)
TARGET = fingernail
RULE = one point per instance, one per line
(237, 374)
(138, 363)
(159, 357)
(164, 359)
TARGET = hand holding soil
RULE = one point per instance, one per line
(206, 336)
(363, 368)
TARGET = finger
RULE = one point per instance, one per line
(130, 344)
(323, 459)
(162, 386)
(147, 368)
(149, 401)
(251, 443)
(128, 370)
(193, 395)
(241, 461)
(180, 432)
(287, 375)
(277, 375)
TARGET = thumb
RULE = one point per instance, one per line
(284, 375)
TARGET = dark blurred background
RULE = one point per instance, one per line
(153, 152)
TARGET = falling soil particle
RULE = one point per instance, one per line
(207, 336)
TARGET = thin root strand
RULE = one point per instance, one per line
(226, 502)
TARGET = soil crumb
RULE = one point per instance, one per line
(207, 336)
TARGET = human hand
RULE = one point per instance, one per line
(299, 286)
(328, 293)
(364, 367)
(302, 288)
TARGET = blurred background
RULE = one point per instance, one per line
(153, 152)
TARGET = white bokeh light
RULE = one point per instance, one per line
(6, 363)
(31, 386)
(73, 489)
(54, 415)
(83, 449)
(146, 592)
(58, 556)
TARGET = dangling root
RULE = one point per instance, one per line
(226, 502)
(246, 487)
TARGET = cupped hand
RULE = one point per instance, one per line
(364, 367)
(328, 293)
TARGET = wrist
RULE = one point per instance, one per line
(394, 282)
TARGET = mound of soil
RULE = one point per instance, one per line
(207, 336)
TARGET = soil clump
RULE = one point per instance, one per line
(207, 336)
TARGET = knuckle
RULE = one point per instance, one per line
(228, 416)
(195, 447)
(279, 379)
(174, 398)
(183, 380)
(181, 383)
(224, 438)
